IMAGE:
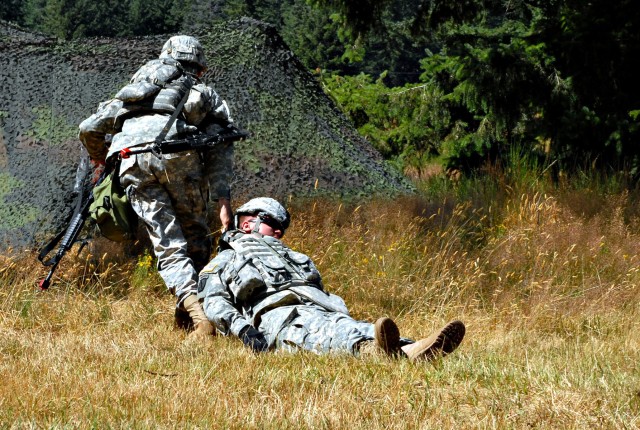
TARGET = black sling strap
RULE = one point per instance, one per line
(160, 138)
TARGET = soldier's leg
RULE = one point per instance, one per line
(186, 184)
(144, 175)
(154, 207)
(319, 331)
(181, 176)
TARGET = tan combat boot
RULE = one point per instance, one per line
(386, 339)
(201, 325)
(438, 344)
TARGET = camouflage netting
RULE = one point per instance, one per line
(300, 145)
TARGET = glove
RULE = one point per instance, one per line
(97, 169)
(254, 339)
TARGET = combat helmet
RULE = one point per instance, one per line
(267, 210)
(185, 49)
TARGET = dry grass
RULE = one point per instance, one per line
(549, 294)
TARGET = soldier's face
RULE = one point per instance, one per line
(265, 229)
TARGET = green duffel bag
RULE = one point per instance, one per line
(112, 211)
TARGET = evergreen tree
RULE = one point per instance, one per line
(557, 77)
(11, 10)
(312, 35)
(154, 16)
(199, 14)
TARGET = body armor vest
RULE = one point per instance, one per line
(265, 263)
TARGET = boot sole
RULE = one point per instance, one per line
(441, 343)
(182, 320)
(452, 335)
(387, 335)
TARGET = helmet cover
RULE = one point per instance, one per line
(185, 49)
(266, 208)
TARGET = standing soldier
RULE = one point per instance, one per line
(272, 297)
(166, 100)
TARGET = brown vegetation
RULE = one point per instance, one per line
(547, 285)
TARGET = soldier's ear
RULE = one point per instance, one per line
(245, 225)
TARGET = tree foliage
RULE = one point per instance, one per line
(555, 77)
(406, 124)
(69, 19)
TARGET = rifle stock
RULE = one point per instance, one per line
(67, 237)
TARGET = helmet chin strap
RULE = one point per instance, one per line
(256, 227)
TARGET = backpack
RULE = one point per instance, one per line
(111, 209)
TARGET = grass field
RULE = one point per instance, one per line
(547, 284)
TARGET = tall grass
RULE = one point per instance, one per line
(546, 281)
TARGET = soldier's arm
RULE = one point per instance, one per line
(217, 107)
(219, 171)
(93, 130)
(218, 299)
(205, 105)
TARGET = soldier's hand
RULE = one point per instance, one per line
(254, 340)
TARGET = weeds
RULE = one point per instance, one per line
(547, 283)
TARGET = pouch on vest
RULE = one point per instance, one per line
(112, 211)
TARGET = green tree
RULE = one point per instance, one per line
(557, 76)
(154, 16)
(377, 36)
(596, 45)
(69, 19)
(312, 35)
(199, 14)
(90, 18)
(406, 124)
(47, 16)
(11, 10)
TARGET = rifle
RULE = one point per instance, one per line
(198, 142)
(67, 237)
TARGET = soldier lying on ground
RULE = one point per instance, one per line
(272, 297)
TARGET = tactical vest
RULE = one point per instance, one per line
(273, 267)
(262, 274)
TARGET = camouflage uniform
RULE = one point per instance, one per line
(259, 282)
(170, 194)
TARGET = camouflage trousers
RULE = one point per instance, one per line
(170, 196)
(312, 328)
